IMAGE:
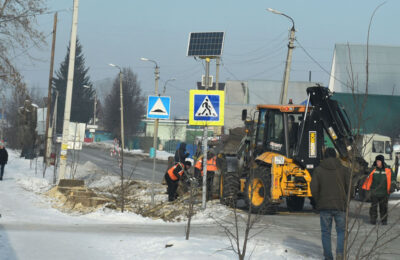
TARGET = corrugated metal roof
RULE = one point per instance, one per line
(349, 69)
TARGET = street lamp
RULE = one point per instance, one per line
(122, 125)
(165, 84)
(286, 75)
(94, 109)
(155, 135)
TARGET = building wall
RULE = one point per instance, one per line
(241, 95)
(168, 130)
(349, 69)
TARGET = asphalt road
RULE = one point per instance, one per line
(137, 166)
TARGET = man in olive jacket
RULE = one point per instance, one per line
(329, 188)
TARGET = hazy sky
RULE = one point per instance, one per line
(122, 31)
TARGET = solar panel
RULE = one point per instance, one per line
(205, 44)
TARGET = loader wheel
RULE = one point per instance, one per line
(257, 193)
(229, 185)
(295, 203)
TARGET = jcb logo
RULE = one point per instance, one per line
(312, 145)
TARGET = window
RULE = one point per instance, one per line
(260, 130)
(388, 147)
(378, 146)
(275, 135)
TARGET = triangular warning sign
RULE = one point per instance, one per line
(158, 108)
(206, 109)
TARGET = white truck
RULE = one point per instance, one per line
(373, 144)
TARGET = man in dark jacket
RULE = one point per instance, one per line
(172, 177)
(3, 159)
(329, 188)
(380, 182)
(181, 154)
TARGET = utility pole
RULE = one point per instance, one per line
(157, 77)
(54, 128)
(94, 115)
(286, 75)
(285, 83)
(68, 97)
(47, 140)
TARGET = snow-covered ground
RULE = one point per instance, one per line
(30, 228)
(160, 155)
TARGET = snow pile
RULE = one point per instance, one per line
(114, 216)
(38, 185)
(160, 155)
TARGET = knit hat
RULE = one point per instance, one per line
(380, 158)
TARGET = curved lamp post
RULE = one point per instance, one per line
(155, 134)
(165, 84)
(122, 125)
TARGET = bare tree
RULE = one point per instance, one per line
(17, 32)
(361, 241)
(134, 105)
(241, 230)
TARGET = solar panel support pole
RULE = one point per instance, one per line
(205, 146)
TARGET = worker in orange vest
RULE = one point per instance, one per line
(211, 169)
(172, 177)
(380, 183)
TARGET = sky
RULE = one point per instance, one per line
(255, 47)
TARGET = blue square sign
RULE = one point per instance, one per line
(206, 107)
(158, 107)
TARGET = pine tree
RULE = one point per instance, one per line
(134, 105)
(82, 97)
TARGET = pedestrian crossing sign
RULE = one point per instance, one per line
(158, 107)
(206, 107)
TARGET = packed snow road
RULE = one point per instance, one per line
(135, 165)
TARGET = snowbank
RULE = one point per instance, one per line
(160, 155)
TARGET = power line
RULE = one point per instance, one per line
(318, 64)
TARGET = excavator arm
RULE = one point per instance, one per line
(333, 118)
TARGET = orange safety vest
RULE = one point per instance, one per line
(211, 164)
(368, 182)
(173, 174)
(199, 164)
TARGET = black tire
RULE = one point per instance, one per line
(229, 185)
(295, 203)
(258, 198)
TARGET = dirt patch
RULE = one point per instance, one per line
(137, 198)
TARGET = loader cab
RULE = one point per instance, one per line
(283, 129)
(277, 131)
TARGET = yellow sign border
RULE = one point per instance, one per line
(221, 111)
